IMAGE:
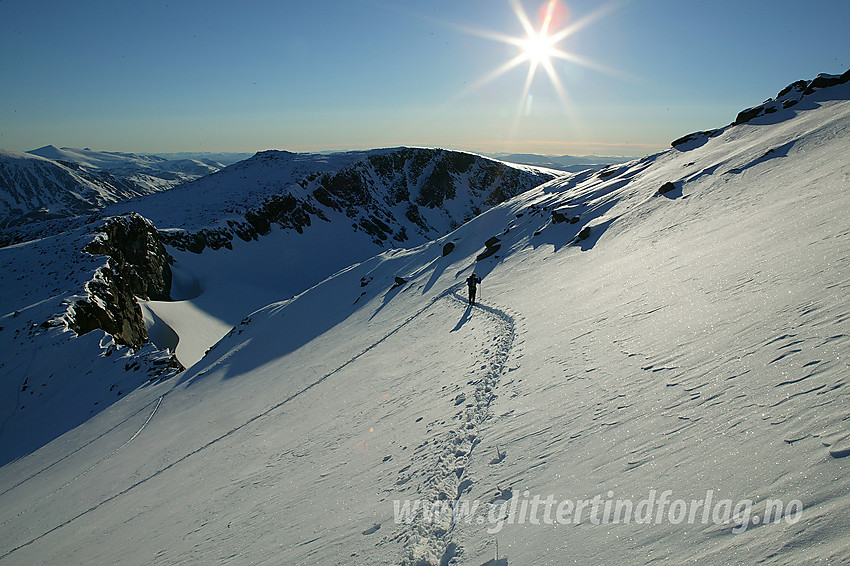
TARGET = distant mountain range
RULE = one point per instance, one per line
(50, 182)
(34, 188)
(156, 171)
(567, 163)
(225, 158)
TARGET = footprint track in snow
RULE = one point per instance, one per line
(214, 441)
(451, 451)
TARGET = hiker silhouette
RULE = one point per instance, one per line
(472, 282)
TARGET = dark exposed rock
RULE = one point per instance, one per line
(791, 95)
(346, 188)
(283, 210)
(787, 97)
(488, 252)
(748, 114)
(415, 216)
(399, 281)
(504, 183)
(376, 228)
(138, 266)
(438, 187)
(491, 246)
(798, 86)
(448, 248)
(823, 81)
(584, 234)
(666, 188)
(695, 136)
(401, 235)
(558, 217)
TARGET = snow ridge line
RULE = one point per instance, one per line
(429, 541)
(223, 436)
(90, 468)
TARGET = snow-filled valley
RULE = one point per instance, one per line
(665, 335)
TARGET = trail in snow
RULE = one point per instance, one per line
(448, 457)
(448, 478)
(89, 443)
(87, 470)
(212, 442)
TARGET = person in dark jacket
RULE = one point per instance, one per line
(472, 281)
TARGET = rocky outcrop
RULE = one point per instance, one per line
(666, 188)
(558, 217)
(418, 179)
(285, 211)
(696, 137)
(789, 96)
(491, 246)
(138, 266)
(583, 234)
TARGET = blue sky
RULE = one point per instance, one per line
(308, 76)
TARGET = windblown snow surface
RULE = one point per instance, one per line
(692, 343)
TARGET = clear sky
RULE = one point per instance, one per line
(209, 75)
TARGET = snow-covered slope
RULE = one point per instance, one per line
(265, 262)
(225, 158)
(670, 329)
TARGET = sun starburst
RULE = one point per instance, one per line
(539, 48)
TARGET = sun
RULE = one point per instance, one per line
(540, 47)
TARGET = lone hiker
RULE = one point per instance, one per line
(472, 281)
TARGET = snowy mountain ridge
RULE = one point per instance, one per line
(675, 325)
(392, 195)
(124, 163)
(52, 183)
(150, 172)
(35, 188)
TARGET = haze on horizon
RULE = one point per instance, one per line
(623, 78)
